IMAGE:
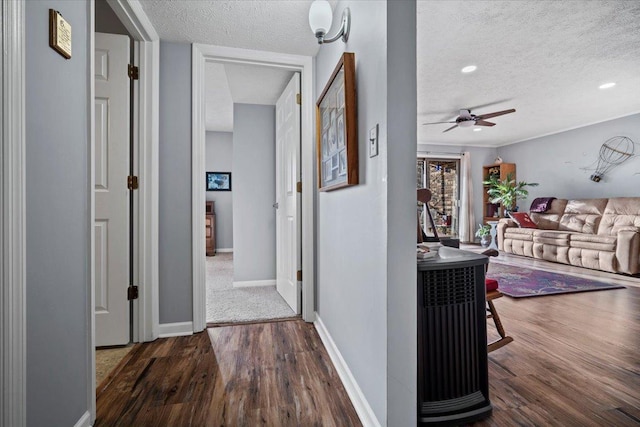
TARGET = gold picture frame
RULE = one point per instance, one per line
(337, 128)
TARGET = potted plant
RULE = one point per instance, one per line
(484, 233)
(507, 191)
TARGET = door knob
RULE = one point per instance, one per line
(275, 205)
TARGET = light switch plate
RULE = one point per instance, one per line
(373, 141)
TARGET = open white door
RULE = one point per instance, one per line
(111, 192)
(288, 235)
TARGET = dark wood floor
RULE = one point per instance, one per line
(575, 361)
(272, 374)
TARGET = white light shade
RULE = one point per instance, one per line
(320, 16)
(467, 123)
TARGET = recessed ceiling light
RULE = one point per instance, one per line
(607, 85)
(477, 129)
(469, 69)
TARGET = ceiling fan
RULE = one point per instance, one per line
(466, 119)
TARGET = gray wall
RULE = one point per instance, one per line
(219, 158)
(556, 162)
(354, 225)
(174, 215)
(254, 192)
(106, 21)
(480, 156)
(57, 219)
(401, 218)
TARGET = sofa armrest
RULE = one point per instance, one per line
(628, 250)
(503, 224)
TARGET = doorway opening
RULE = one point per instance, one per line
(242, 144)
(302, 187)
(442, 177)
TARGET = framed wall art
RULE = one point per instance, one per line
(218, 181)
(337, 128)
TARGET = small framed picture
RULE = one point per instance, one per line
(337, 132)
(342, 164)
(218, 181)
(340, 131)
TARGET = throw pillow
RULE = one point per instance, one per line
(523, 220)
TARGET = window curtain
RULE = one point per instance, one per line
(467, 219)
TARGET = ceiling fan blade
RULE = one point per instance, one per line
(452, 127)
(436, 123)
(496, 114)
(484, 123)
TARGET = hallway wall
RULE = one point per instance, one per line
(174, 210)
(58, 227)
(219, 158)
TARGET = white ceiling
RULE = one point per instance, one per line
(227, 84)
(273, 25)
(546, 59)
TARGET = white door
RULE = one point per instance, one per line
(288, 235)
(112, 196)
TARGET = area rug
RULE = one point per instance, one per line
(519, 282)
(226, 304)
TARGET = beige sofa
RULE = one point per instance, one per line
(601, 234)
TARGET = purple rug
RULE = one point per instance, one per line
(518, 282)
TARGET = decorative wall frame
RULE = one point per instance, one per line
(218, 181)
(337, 128)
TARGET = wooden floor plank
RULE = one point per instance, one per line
(275, 374)
(575, 360)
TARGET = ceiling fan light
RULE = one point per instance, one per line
(320, 16)
(467, 123)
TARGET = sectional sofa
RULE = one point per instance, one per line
(601, 234)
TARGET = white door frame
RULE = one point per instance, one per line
(145, 141)
(304, 64)
(13, 397)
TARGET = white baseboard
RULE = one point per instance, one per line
(224, 250)
(84, 421)
(178, 329)
(251, 283)
(359, 401)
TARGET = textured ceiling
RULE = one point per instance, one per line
(546, 59)
(274, 25)
(227, 84)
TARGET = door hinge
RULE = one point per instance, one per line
(132, 293)
(299, 276)
(133, 72)
(132, 182)
(298, 99)
(299, 187)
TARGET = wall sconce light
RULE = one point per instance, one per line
(320, 17)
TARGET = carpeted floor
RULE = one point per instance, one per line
(226, 304)
(107, 359)
(520, 282)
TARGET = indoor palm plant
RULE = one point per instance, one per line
(507, 191)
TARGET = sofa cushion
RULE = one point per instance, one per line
(619, 214)
(523, 220)
(583, 215)
(551, 237)
(519, 233)
(591, 241)
(550, 220)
